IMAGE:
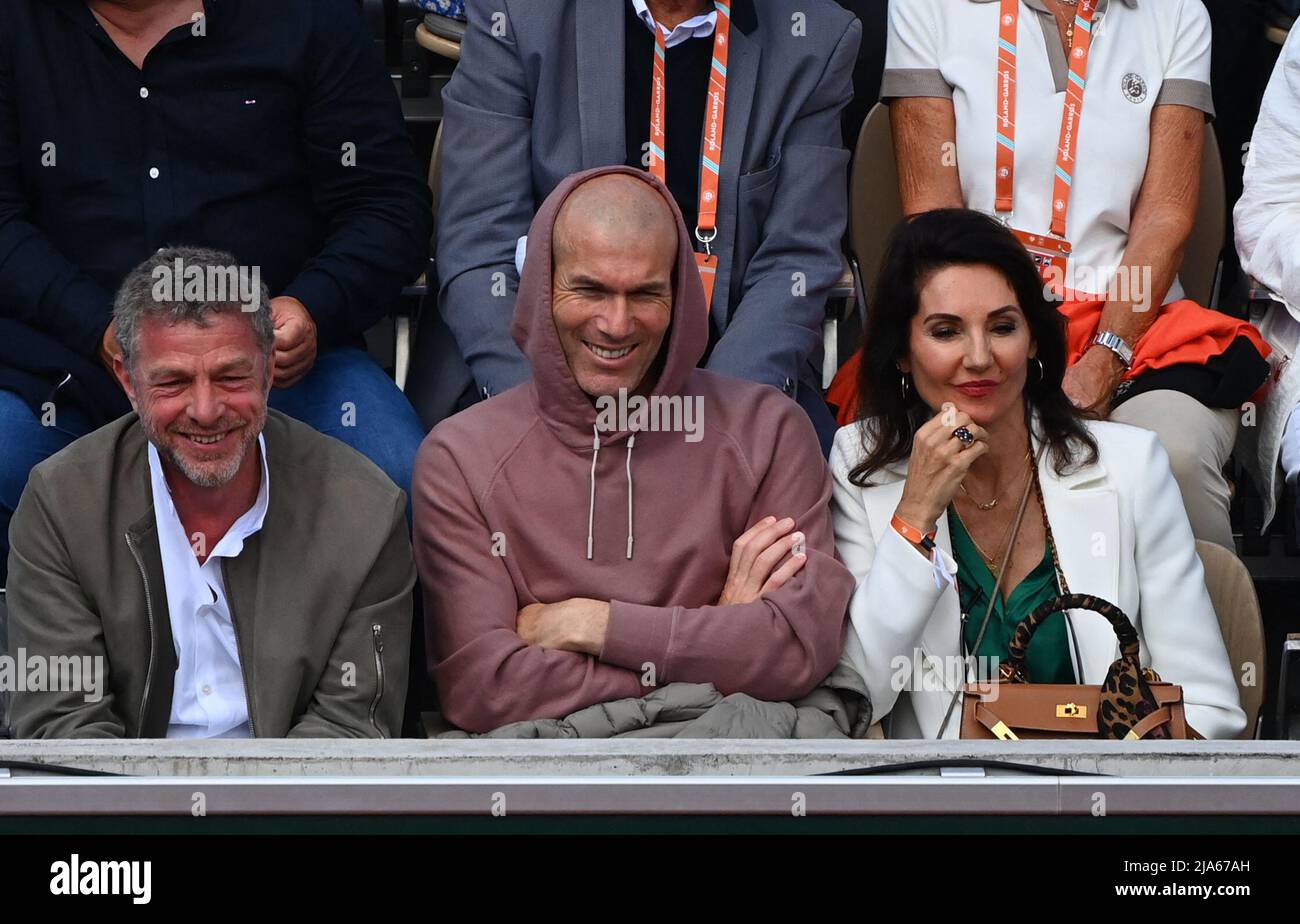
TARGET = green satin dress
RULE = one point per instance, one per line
(1048, 658)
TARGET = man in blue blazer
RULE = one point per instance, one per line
(546, 88)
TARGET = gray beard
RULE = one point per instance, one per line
(203, 477)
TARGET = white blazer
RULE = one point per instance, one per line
(1267, 222)
(1121, 533)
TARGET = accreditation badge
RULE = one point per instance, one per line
(1051, 254)
(708, 266)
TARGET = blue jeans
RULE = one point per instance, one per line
(24, 442)
(345, 396)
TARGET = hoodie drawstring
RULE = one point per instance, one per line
(631, 440)
(591, 500)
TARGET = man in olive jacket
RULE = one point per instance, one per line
(236, 573)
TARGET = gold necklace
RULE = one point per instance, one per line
(1069, 29)
(992, 562)
(991, 504)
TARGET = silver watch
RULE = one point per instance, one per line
(1115, 343)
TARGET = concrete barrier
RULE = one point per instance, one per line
(650, 777)
(659, 757)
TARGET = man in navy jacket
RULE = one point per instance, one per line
(268, 130)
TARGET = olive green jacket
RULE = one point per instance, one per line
(320, 597)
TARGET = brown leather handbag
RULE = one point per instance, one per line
(1129, 704)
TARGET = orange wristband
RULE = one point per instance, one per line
(912, 534)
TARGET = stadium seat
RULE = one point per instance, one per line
(1233, 594)
(413, 296)
(437, 34)
(874, 203)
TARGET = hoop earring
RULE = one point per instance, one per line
(902, 384)
(1042, 373)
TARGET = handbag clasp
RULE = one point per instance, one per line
(1071, 711)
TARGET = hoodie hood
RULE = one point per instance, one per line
(566, 409)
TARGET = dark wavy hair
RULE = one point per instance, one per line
(919, 247)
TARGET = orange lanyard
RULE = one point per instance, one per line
(706, 228)
(1071, 117)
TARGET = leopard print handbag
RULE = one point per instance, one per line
(1129, 704)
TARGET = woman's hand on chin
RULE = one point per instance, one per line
(938, 463)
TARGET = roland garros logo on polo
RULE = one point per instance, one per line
(1134, 87)
(76, 876)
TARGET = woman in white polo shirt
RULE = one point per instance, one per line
(1081, 124)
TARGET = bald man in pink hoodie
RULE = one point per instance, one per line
(623, 519)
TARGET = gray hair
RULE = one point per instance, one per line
(191, 284)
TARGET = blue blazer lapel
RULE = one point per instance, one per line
(599, 25)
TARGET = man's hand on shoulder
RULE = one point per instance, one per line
(577, 624)
(295, 341)
(755, 558)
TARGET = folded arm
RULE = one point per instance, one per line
(896, 593)
(487, 674)
(778, 646)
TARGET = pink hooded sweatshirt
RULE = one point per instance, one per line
(520, 500)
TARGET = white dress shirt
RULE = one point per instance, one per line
(696, 27)
(208, 697)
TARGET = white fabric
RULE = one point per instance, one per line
(1267, 216)
(695, 27)
(1121, 534)
(208, 696)
(1290, 455)
(1158, 41)
(1262, 442)
(521, 254)
(1267, 222)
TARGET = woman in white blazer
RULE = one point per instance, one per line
(962, 418)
